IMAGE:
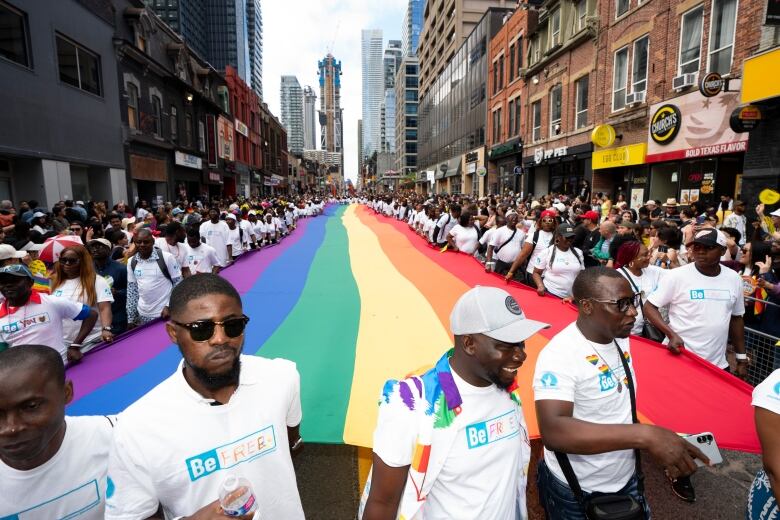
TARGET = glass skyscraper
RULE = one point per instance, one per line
(291, 97)
(413, 22)
(373, 89)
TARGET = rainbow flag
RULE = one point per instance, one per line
(354, 299)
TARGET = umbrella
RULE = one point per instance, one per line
(53, 246)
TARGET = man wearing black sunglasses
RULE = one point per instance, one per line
(220, 412)
(584, 388)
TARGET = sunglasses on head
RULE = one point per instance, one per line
(622, 304)
(203, 330)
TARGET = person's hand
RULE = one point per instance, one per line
(673, 452)
(74, 354)
(107, 336)
(90, 233)
(568, 299)
(540, 291)
(675, 343)
(509, 275)
(763, 267)
(213, 511)
(760, 210)
(765, 285)
(742, 369)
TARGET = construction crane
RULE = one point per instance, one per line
(333, 41)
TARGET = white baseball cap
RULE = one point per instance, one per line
(230, 216)
(7, 251)
(776, 213)
(493, 312)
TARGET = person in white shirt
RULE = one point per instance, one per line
(28, 317)
(444, 224)
(469, 457)
(584, 388)
(172, 242)
(464, 236)
(219, 413)
(559, 264)
(271, 231)
(51, 465)
(633, 261)
(216, 234)
(201, 258)
(537, 241)
(238, 238)
(151, 275)
(738, 221)
(505, 245)
(762, 499)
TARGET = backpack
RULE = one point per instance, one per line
(160, 264)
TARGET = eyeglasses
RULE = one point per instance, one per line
(75, 230)
(203, 330)
(69, 261)
(623, 303)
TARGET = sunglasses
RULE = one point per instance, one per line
(203, 330)
(69, 261)
(75, 230)
(623, 304)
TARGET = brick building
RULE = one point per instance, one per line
(246, 109)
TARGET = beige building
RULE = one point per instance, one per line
(446, 24)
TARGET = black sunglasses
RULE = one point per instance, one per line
(69, 261)
(203, 330)
(623, 303)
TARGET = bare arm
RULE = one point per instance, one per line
(387, 486)
(525, 252)
(768, 425)
(650, 312)
(537, 276)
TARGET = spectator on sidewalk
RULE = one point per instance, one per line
(738, 221)
(115, 275)
(600, 251)
(151, 276)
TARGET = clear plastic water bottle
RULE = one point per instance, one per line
(236, 496)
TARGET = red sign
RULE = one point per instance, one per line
(701, 151)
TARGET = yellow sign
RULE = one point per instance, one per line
(769, 197)
(755, 73)
(603, 135)
(630, 155)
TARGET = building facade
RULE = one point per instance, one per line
(372, 89)
(412, 26)
(406, 116)
(331, 115)
(61, 137)
(291, 97)
(246, 109)
(391, 63)
(309, 118)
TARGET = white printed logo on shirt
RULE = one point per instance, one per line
(76, 501)
(247, 448)
(504, 426)
(30, 321)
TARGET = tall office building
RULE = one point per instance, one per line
(360, 151)
(440, 40)
(391, 62)
(291, 97)
(373, 89)
(406, 116)
(223, 32)
(413, 21)
(309, 119)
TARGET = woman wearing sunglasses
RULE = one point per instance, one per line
(75, 279)
(559, 265)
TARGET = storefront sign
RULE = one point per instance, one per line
(702, 127)
(603, 135)
(665, 124)
(214, 178)
(472, 157)
(541, 155)
(481, 171)
(711, 84)
(755, 73)
(241, 128)
(773, 12)
(188, 161)
(225, 138)
(471, 167)
(745, 119)
(630, 155)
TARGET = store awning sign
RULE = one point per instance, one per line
(665, 124)
(603, 136)
(630, 155)
(541, 155)
(188, 161)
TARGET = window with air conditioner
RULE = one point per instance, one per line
(555, 28)
(690, 40)
(536, 108)
(639, 68)
(581, 115)
(556, 98)
(723, 25)
(620, 80)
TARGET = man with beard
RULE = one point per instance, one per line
(584, 387)
(51, 466)
(453, 441)
(220, 413)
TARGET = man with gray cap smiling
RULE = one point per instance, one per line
(453, 441)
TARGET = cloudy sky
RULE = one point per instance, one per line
(296, 34)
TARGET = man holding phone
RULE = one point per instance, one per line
(584, 387)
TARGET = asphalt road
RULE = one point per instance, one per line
(328, 483)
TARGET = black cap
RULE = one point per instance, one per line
(566, 230)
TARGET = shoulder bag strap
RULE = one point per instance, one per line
(507, 241)
(571, 477)
(636, 290)
(632, 394)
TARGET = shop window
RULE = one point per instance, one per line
(722, 29)
(132, 106)
(621, 7)
(174, 122)
(14, 34)
(690, 40)
(537, 120)
(157, 115)
(581, 115)
(639, 69)
(78, 67)
(620, 80)
(555, 110)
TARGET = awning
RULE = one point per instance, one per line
(755, 73)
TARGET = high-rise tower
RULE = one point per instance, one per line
(373, 89)
(331, 138)
(309, 119)
(391, 62)
(291, 97)
(413, 22)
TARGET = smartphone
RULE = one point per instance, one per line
(706, 443)
(663, 249)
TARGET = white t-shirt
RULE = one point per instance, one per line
(559, 277)
(239, 240)
(39, 322)
(508, 252)
(217, 236)
(179, 250)
(445, 223)
(543, 242)
(491, 451)
(767, 394)
(201, 259)
(173, 448)
(466, 239)
(487, 236)
(154, 289)
(647, 283)
(71, 290)
(72, 484)
(571, 368)
(700, 308)
(738, 222)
